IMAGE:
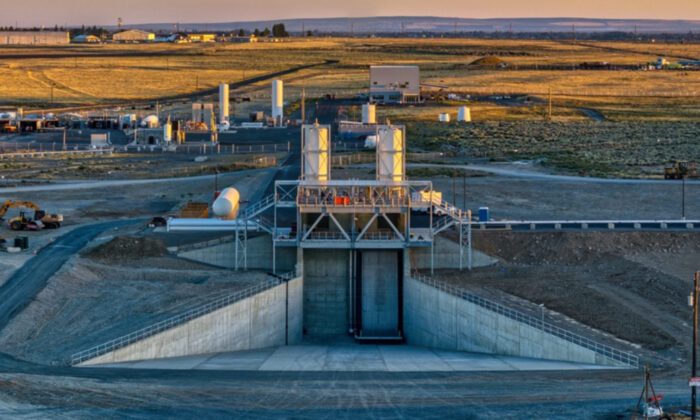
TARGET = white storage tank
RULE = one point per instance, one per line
(168, 132)
(150, 121)
(316, 152)
(464, 114)
(223, 102)
(369, 114)
(226, 206)
(371, 142)
(390, 153)
(278, 101)
(444, 117)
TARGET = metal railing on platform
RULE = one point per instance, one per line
(611, 353)
(176, 320)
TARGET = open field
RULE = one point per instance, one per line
(131, 166)
(120, 73)
(584, 148)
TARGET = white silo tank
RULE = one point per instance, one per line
(464, 114)
(226, 206)
(390, 153)
(223, 102)
(369, 114)
(278, 101)
(444, 117)
(168, 132)
(316, 152)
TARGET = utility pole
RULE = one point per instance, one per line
(52, 93)
(549, 106)
(64, 138)
(683, 197)
(454, 189)
(303, 106)
(464, 190)
(694, 303)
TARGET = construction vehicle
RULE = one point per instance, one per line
(41, 219)
(680, 170)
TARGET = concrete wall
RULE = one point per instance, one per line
(326, 285)
(256, 322)
(259, 255)
(446, 254)
(433, 318)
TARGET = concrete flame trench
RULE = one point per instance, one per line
(352, 247)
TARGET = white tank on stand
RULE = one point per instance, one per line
(464, 114)
(278, 102)
(316, 152)
(369, 114)
(223, 103)
(226, 206)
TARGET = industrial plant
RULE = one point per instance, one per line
(405, 225)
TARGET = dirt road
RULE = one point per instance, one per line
(20, 289)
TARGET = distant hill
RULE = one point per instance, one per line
(398, 24)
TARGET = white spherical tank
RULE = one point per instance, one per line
(150, 121)
(277, 101)
(371, 142)
(369, 114)
(390, 154)
(464, 114)
(226, 206)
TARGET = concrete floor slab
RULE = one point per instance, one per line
(348, 357)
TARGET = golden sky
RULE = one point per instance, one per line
(105, 12)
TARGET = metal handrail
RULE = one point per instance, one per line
(176, 320)
(612, 353)
(259, 207)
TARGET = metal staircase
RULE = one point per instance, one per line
(447, 216)
(258, 208)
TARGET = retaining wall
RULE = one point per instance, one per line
(270, 318)
(435, 318)
(259, 255)
(446, 255)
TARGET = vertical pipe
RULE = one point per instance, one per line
(274, 235)
(683, 199)
(235, 265)
(693, 390)
(469, 240)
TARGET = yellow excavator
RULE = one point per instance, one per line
(680, 170)
(41, 219)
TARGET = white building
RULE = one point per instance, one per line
(134, 35)
(394, 84)
(34, 38)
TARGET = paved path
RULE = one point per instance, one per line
(527, 174)
(27, 282)
(84, 185)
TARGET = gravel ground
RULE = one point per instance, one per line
(597, 280)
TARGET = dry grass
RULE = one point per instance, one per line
(120, 73)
